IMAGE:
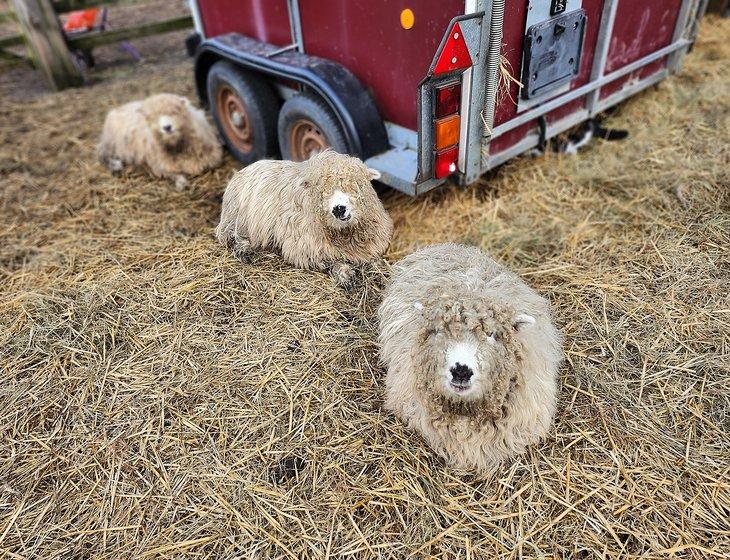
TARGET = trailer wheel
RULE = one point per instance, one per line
(244, 109)
(308, 126)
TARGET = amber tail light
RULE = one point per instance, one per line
(446, 132)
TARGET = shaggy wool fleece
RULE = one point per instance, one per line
(320, 214)
(163, 133)
(449, 307)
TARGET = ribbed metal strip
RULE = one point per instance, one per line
(492, 71)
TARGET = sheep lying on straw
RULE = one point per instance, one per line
(320, 214)
(472, 355)
(165, 133)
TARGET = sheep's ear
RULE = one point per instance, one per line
(523, 321)
(374, 174)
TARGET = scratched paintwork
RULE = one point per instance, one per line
(641, 27)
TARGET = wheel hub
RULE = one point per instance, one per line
(306, 140)
(234, 118)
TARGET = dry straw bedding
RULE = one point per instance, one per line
(160, 399)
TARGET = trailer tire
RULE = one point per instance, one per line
(244, 108)
(308, 126)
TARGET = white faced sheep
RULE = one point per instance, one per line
(472, 355)
(165, 133)
(322, 213)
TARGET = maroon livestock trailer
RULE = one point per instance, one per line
(418, 88)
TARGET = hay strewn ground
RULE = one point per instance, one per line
(159, 399)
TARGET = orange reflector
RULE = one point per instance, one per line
(407, 18)
(447, 131)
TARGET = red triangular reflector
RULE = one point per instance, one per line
(455, 54)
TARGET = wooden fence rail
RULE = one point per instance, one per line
(51, 50)
(63, 6)
(12, 41)
(96, 38)
(8, 16)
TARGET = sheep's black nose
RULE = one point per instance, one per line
(167, 128)
(461, 373)
(339, 211)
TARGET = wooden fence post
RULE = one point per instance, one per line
(44, 35)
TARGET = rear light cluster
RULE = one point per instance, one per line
(446, 126)
(454, 59)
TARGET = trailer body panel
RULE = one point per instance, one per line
(265, 20)
(624, 47)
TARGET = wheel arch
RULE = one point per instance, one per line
(204, 61)
(336, 85)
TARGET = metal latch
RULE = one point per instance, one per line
(552, 53)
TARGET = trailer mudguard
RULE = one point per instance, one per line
(343, 92)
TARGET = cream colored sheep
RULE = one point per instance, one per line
(472, 355)
(320, 214)
(164, 133)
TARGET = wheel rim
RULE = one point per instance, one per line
(233, 116)
(306, 140)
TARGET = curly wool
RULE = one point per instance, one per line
(438, 293)
(281, 205)
(131, 135)
(446, 318)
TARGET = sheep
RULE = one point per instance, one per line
(319, 214)
(471, 354)
(165, 133)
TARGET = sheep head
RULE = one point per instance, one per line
(339, 190)
(468, 353)
(168, 117)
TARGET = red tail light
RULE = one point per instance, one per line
(446, 162)
(448, 99)
(455, 55)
